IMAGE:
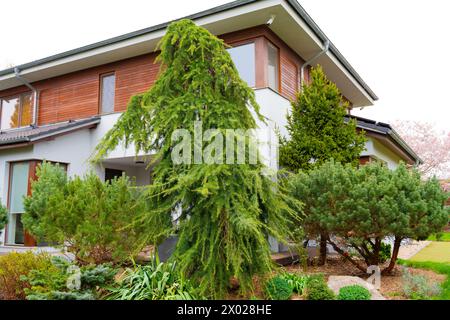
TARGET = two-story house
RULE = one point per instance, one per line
(58, 108)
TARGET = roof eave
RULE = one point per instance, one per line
(303, 15)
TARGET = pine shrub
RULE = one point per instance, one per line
(92, 218)
(317, 289)
(278, 288)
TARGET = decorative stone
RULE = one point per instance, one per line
(335, 283)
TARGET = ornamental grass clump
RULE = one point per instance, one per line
(154, 281)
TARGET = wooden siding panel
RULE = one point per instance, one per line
(289, 77)
(76, 95)
(134, 78)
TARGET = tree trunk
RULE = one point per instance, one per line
(323, 249)
(346, 256)
(394, 256)
(375, 254)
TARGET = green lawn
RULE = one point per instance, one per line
(435, 252)
(445, 237)
(443, 268)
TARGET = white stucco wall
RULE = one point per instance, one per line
(76, 148)
(376, 149)
(274, 108)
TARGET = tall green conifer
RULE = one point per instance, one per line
(227, 210)
(317, 128)
(318, 132)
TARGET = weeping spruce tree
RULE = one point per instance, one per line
(318, 133)
(226, 211)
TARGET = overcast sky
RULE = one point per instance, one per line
(400, 48)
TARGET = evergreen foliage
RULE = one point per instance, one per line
(15, 265)
(226, 211)
(55, 282)
(364, 206)
(318, 133)
(278, 288)
(317, 128)
(88, 216)
(317, 289)
(354, 292)
(3, 216)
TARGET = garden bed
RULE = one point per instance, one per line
(391, 286)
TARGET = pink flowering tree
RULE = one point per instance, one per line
(432, 146)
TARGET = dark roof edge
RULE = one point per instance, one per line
(126, 36)
(293, 3)
(70, 127)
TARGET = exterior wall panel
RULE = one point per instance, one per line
(76, 95)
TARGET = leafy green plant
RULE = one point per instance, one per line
(354, 292)
(15, 265)
(91, 217)
(65, 281)
(155, 281)
(3, 217)
(384, 251)
(296, 281)
(278, 288)
(418, 287)
(317, 289)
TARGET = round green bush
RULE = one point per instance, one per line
(317, 289)
(278, 288)
(354, 292)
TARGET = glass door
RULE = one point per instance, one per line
(18, 189)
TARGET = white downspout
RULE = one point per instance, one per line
(35, 94)
(326, 46)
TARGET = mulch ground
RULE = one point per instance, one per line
(391, 285)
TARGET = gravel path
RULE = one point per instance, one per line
(409, 250)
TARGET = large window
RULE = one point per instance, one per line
(272, 67)
(18, 188)
(244, 59)
(107, 93)
(16, 111)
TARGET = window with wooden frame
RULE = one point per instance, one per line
(107, 92)
(21, 174)
(243, 57)
(16, 111)
(273, 67)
